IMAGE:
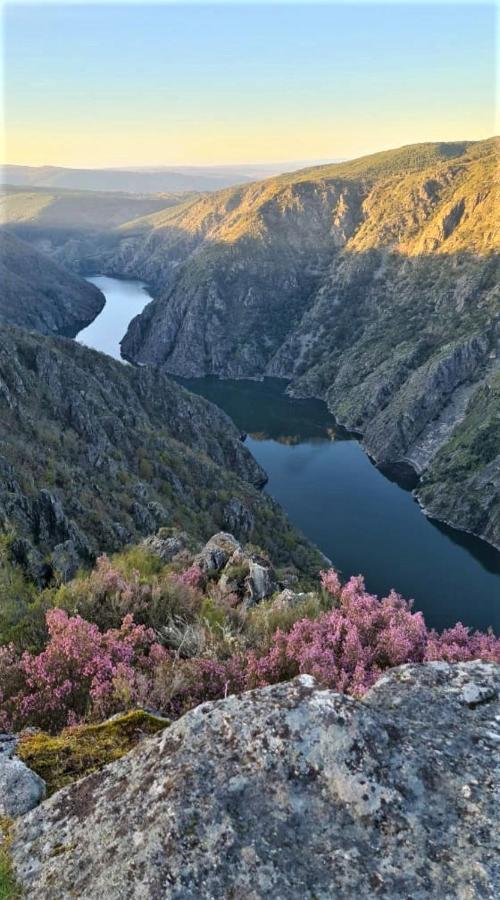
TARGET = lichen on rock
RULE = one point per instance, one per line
(289, 791)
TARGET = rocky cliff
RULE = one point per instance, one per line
(372, 284)
(94, 453)
(290, 791)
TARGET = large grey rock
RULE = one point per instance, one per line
(259, 583)
(20, 788)
(291, 791)
(216, 552)
(166, 546)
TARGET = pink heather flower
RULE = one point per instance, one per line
(330, 581)
(192, 577)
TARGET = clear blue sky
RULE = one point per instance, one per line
(137, 84)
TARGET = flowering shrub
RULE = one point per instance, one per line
(88, 672)
(106, 595)
(193, 577)
(349, 647)
(81, 672)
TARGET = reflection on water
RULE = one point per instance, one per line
(363, 519)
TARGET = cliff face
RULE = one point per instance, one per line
(94, 453)
(377, 291)
(371, 284)
(289, 791)
(39, 294)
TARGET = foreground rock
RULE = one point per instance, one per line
(20, 788)
(290, 791)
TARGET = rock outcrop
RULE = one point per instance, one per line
(290, 791)
(238, 571)
(20, 788)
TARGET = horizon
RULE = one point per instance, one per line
(225, 167)
(241, 85)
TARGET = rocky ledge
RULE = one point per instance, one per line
(291, 791)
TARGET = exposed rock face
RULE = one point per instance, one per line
(95, 454)
(39, 294)
(20, 788)
(372, 284)
(238, 570)
(289, 791)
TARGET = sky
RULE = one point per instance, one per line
(123, 84)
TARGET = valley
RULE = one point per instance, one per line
(371, 284)
(360, 518)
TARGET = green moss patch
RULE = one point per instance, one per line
(78, 751)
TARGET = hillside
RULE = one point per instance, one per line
(371, 284)
(138, 181)
(39, 294)
(119, 452)
(75, 211)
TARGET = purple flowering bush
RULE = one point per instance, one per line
(87, 672)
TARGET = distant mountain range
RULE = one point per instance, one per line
(142, 180)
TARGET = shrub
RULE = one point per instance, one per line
(107, 595)
(82, 672)
(349, 647)
(343, 636)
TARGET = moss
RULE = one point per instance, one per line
(9, 889)
(78, 751)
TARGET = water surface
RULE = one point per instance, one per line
(363, 520)
(125, 299)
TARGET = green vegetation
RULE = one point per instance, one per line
(9, 889)
(79, 751)
(120, 452)
(462, 479)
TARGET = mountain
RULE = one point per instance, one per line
(140, 181)
(94, 453)
(372, 284)
(65, 212)
(39, 294)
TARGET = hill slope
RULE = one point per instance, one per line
(119, 451)
(176, 178)
(39, 294)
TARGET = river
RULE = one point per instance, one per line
(362, 519)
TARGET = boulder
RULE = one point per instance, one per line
(216, 552)
(20, 788)
(290, 791)
(166, 545)
(287, 598)
(259, 583)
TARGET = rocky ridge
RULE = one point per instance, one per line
(289, 791)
